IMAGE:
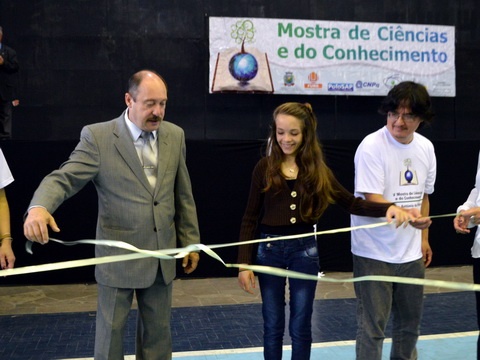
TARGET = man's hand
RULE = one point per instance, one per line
(35, 226)
(427, 253)
(190, 262)
(421, 223)
(399, 215)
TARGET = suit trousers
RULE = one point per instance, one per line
(153, 337)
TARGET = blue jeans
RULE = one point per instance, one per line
(297, 255)
(377, 299)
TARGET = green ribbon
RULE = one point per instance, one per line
(177, 253)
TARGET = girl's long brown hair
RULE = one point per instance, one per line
(314, 176)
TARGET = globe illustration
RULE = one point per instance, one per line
(408, 176)
(243, 66)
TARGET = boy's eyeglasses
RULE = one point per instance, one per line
(406, 117)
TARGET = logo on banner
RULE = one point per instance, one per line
(392, 80)
(345, 87)
(288, 79)
(313, 84)
(242, 67)
(367, 84)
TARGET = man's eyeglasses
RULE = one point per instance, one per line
(406, 117)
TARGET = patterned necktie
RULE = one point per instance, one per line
(149, 159)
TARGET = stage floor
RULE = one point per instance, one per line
(215, 319)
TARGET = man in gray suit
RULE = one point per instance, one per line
(132, 210)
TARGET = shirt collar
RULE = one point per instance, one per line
(135, 131)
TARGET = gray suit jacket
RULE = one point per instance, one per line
(128, 208)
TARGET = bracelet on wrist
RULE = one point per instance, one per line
(5, 238)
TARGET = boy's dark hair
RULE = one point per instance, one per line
(409, 94)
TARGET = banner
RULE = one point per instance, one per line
(286, 56)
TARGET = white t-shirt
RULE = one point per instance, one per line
(402, 173)
(473, 200)
(6, 177)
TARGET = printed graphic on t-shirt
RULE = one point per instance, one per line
(409, 175)
(408, 198)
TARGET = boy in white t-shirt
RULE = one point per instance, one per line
(393, 164)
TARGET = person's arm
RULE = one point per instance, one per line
(186, 220)
(426, 249)
(7, 257)
(466, 219)
(421, 223)
(468, 214)
(252, 214)
(418, 219)
(251, 217)
(378, 207)
(81, 167)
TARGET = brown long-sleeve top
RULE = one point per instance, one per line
(282, 209)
